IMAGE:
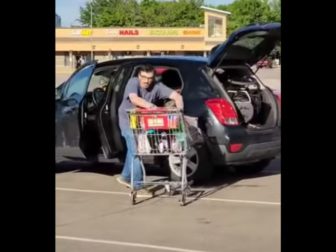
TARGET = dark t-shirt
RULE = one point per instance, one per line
(155, 93)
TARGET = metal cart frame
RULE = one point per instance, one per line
(160, 132)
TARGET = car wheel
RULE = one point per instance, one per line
(253, 167)
(198, 167)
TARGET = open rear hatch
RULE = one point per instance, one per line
(247, 45)
(254, 103)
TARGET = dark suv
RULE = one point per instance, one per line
(238, 116)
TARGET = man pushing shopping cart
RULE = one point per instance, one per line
(141, 92)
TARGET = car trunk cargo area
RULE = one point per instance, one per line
(255, 104)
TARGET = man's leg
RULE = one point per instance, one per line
(130, 159)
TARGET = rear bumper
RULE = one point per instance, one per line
(251, 153)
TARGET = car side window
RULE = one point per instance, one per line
(198, 87)
(101, 78)
(77, 85)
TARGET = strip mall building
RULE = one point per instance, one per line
(111, 43)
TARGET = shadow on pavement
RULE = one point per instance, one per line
(225, 178)
(222, 177)
(106, 168)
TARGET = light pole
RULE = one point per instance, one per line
(91, 29)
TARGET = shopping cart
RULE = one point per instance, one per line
(160, 132)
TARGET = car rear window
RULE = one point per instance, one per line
(198, 86)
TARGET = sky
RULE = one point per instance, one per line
(69, 9)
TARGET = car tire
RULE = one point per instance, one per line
(199, 169)
(253, 167)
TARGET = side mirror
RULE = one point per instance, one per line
(58, 92)
(57, 96)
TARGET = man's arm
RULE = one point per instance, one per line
(139, 102)
(178, 99)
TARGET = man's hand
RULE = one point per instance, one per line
(140, 102)
(152, 106)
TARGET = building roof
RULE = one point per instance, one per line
(216, 10)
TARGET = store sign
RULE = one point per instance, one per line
(129, 32)
(191, 32)
(86, 32)
(173, 32)
(163, 32)
(82, 32)
(112, 32)
(143, 32)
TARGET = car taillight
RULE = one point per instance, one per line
(223, 110)
(235, 147)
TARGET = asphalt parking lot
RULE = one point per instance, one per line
(231, 213)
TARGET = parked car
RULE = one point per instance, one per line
(268, 63)
(238, 115)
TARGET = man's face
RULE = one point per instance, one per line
(146, 79)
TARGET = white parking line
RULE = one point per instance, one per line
(205, 198)
(129, 244)
(89, 191)
(244, 201)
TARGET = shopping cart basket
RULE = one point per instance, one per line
(160, 132)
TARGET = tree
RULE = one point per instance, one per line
(184, 13)
(245, 12)
(275, 13)
(110, 13)
(147, 13)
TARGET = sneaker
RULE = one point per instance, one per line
(143, 192)
(122, 181)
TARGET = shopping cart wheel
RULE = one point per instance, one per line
(133, 197)
(167, 189)
(172, 192)
(183, 199)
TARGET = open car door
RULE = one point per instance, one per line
(69, 113)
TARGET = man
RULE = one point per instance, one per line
(143, 92)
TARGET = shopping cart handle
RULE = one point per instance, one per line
(155, 110)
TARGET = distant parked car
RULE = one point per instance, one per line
(268, 63)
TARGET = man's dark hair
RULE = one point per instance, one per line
(146, 68)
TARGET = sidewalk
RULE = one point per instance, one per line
(64, 70)
(271, 77)
(62, 73)
(61, 77)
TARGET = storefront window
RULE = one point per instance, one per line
(66, 60)
(215, 27)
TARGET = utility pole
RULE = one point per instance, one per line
(91, 29)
